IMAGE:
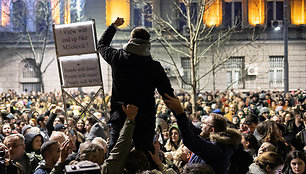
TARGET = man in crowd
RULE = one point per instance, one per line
(135, 77)
(50, 151)
(116, 161)
(223, 141)
(16, 149)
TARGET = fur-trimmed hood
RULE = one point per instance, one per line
(138, 46)
(229, 137)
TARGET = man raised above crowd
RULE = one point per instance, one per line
(136, 76)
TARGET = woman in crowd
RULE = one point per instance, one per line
(173, 142)
(80, 126)
(267, 163)
(250, 144)
(269, 132)
(295, 163)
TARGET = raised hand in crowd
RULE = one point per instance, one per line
(174, 104)
(155, 156)
(130, 111)
(65, 150)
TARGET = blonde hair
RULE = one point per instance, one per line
(271, 159)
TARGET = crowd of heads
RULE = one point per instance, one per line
(272, 127)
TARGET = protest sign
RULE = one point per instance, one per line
(74, 39)
(80, 70)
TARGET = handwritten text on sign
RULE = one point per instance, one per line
(80, 70)
(75, 39)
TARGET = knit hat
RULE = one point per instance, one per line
(263, 110)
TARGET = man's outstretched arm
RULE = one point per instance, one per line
(107, 52)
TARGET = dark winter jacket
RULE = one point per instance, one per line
(42, 169)
(135, 76)
(216, 152)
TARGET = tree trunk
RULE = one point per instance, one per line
(193, 78)
(40, 76)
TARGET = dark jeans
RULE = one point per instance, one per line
(143, 133)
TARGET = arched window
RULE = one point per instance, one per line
(29, 68)
(30, 75)
(43, 16)
(19, 16)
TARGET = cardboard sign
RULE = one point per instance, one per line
(74, 39)
(80, 70)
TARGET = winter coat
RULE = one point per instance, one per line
(135, 76)
(216, 152)
(96, 131)
(28, 162)
(42, 169)
(255, 169)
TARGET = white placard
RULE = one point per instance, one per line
(80, 70)
(75, 38)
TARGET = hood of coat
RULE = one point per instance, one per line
(229, 137)
(138, 46)
(29, 137)
(26, 127)
(96, 131)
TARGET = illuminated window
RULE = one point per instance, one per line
(142, 15)
(256, 12)
(5, 13)
(213, 13)
(55, 11)
(65, 15)
(298, 8)
(118, 8)
(43, 14)
(233, 13)
(0, 13)
(19, 15)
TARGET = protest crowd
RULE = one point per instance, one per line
(145, 127)
(36, 138)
